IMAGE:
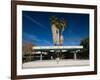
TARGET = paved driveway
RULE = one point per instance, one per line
(55, 63)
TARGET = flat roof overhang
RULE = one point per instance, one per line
(56, 47)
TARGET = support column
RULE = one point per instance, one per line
(75, 56)
(41, 56)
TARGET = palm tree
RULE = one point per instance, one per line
(62, 27)
(54, 27)
(57, 27)
(62, 24)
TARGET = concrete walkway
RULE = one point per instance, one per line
(55, 63)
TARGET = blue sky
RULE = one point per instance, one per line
(36, 28)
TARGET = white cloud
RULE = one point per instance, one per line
(36, 22)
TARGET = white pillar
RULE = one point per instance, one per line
(41, 56)
(75, 56)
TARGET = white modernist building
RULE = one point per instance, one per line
(40, 49)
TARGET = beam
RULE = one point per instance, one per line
(55, 47)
